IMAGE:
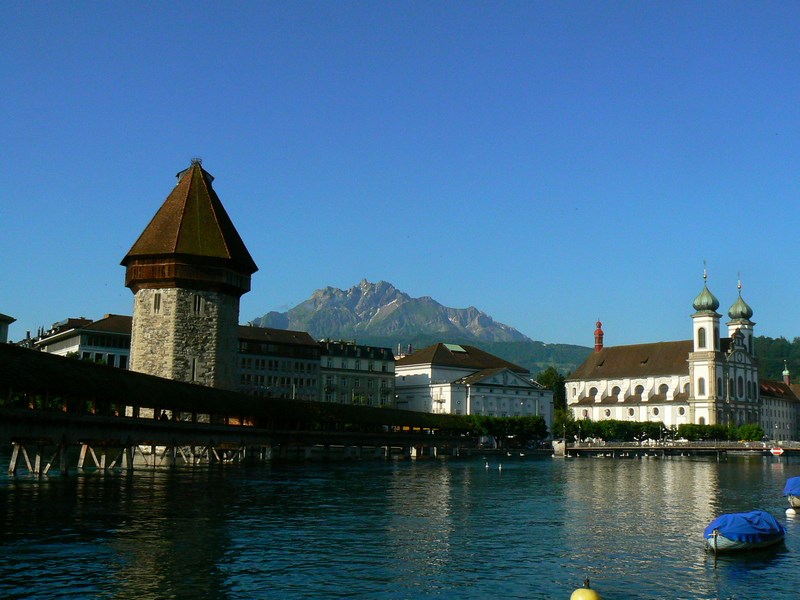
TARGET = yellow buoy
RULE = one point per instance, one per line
(585, 593)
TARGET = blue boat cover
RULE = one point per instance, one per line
(750, 527)
(792, 487)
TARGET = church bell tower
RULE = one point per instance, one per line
(187, 271)
(705, 361)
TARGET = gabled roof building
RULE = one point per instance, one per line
(706, 380)
(465, 380)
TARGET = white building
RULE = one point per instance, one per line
(107, 340)
(706, 380)
(464, 380)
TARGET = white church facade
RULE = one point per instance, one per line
(706, 380)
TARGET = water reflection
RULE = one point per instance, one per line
(394, 529)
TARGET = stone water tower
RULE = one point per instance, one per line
(187, 271)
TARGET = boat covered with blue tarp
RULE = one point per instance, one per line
(792, 491)
(743, 531)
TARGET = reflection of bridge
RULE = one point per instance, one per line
(676, 448)
(55, 409)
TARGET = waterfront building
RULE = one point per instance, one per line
(278, 363)
(107, 340)
(780, 408)
(465, 380)
(5, 321)
(353, 373)
(188, 270)
(705, 380)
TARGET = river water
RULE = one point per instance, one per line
(433, 528)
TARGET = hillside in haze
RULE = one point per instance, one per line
(380, 314)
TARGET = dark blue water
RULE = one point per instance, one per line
(441, 528)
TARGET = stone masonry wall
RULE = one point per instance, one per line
(188, 335)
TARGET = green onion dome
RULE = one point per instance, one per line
(740, 309)
(706, 300)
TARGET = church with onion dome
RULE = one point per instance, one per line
(706, 380)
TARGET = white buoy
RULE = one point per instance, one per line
(500, 467)
(790, 512)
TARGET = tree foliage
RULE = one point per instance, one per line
(514, 431)
(629, 431)
(554, 381)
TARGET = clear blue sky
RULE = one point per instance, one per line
(547, 162)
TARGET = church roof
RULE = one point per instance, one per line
(459, 356)
(192, 222)
(777, 389)
(637, 360)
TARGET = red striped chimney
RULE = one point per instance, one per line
(598, 337)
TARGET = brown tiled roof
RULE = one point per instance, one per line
(343, 349)
(193, 222)
(112, 324)
(637, 360)
(446, 355)
(777, 389)
(276, 336)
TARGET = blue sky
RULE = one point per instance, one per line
(547, 162)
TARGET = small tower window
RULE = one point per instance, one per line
(701, 337)
(740, 386)
(198, 304)
(157, 303)
(701, 387)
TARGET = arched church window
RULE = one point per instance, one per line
(681, 411)
(608, 413)
(655, 411)
(631, 412)
(585, 413)
(740, 386)
(701, 337)
(663, 390)
(686, 388)
(716, 338)
(592, 392)
(719, 385)
(615, 391)
(701, 421)
(639, 390)
(701, 387)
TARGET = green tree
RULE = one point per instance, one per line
(554, 381)
(750, 432)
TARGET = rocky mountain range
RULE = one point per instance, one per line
(380, 310)
(379, 314)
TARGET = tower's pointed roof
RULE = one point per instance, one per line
(740, 311)
(192, 223)
(705, 301)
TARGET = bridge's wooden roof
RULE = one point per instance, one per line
(24, 371)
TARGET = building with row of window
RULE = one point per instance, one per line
(706, 380)
(465, 380)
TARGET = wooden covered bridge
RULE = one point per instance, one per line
(59, 413)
